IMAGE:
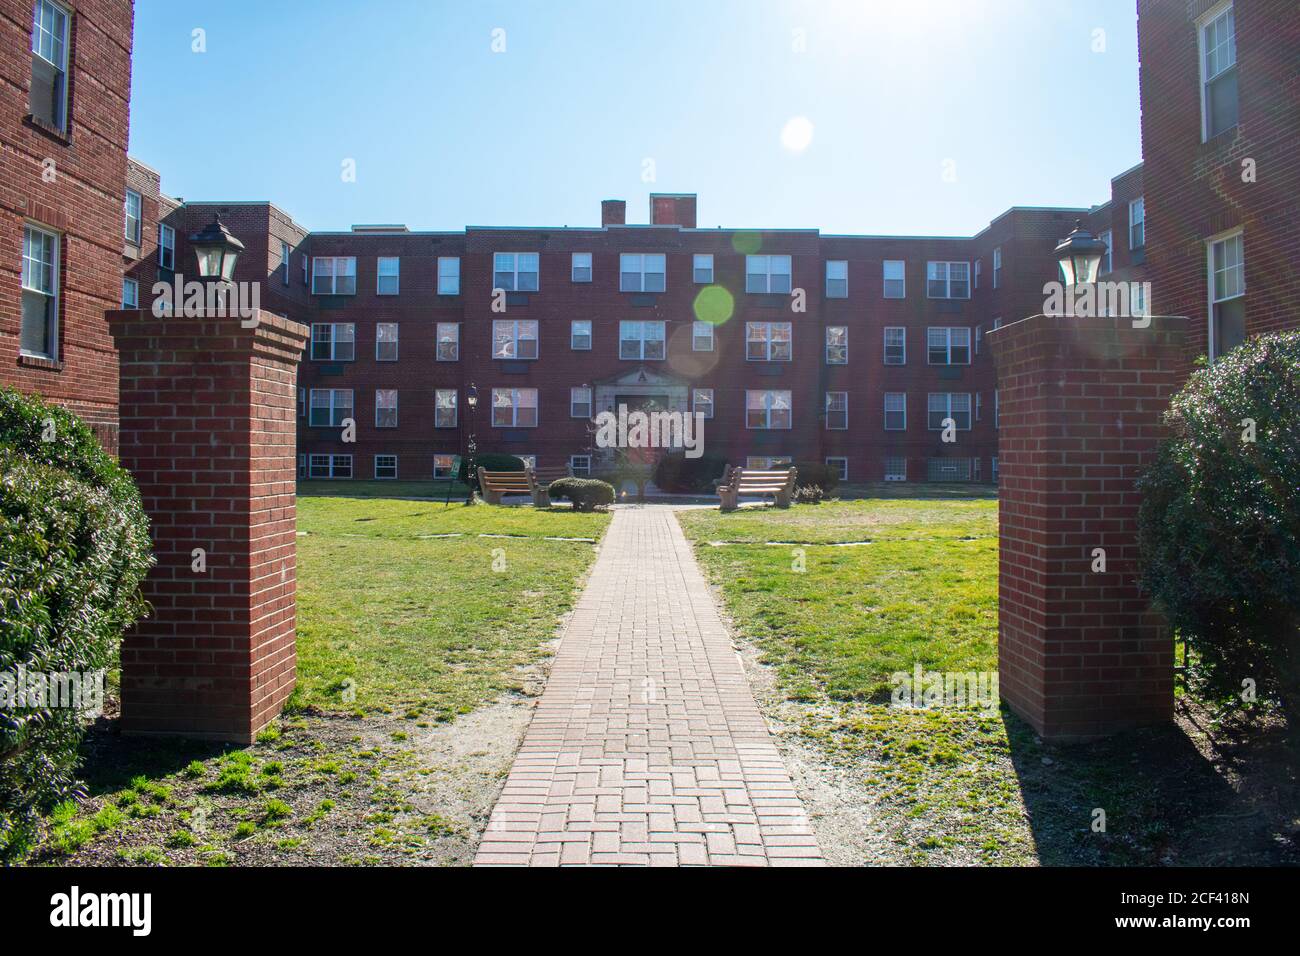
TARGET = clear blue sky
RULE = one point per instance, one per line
(446, 133)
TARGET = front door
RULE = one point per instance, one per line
(647, 404)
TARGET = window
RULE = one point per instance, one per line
(304, 269)
(993, 462)
(841, 466)
(702, 337)
(704, 268)
(837, 411)
(333, 342)
(895, 411)
(997, 410)
(641, 340)
(1107, 263)
(837, 279)
(448, 341)
(997, 266)
(895, 469)
(948, 346)
(580, 466)
(639, 272)
(1227, 294)
(386, 342)
(895, 345)
(334, 275)
(134, 205)
(387, 275)
(580, 402)
(1218, 74)
(767, 274)
(385, 408)
(580, 270)
(48, 101)
(837, 345)
(385, 466)
(444, 466)
(514, 339)
(947, 280)
(302, 402)
(978, 264)
(979, 405)
(302, 466)
(979, 338)
(448, 275)
(702, 401)
(895, 279)
(445, 407)
(580, 335)
(331, 466)
(769, 409)
(948, 469)
(954, 405)
(166, 246)
(40, 323)
(130, 294)
(1137, 230)
(515, 271)
(329, 406)
(768, 341)
(514, 408)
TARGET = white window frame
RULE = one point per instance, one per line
(440, 405)
(837, 265)
(63, 54)
(888, 411)
(580, 466)
(884, 357)
(393, 407)
(642, 340)
(975, 281)
(1107, 259)
(830, 398)
(1139, 206)
(514, 269)
(302, 402)
(1203, 23)
(375, 468)
(439, 341)
(769, 341)
(931, 275)
(136, 235)
(886, 278)
(997, 266)
(949, 343)
(166, 247)
(517, 337)
(702, 262)
(769, 406)
(696, 395)
(333, 406)
(52, 293)
(380, 274)
(993, 473)
(997, 409)
(449, 275)
(516, 394)
(334, 274)
(302, 466)
(574, 335)
(895, 468)
(578, 262)
(581, 395)
(701, 330)
(949, 411)
(764, 267)
(335, 341)
(333, 464)
(132, 301)
(840, 461)
(837, 361)
(286, 255)
(1237, 232)
(396, 342)
(637, 264)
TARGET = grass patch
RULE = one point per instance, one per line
(380, 489)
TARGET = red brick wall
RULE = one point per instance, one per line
(83, 202)
(1080, 654)
(207, 433)
(1194, 190)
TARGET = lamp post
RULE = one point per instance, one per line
(1080, 256)
(471, 399)
(217, 251)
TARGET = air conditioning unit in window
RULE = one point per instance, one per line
(894, 478)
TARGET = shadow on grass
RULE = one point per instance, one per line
(111, 759)
(1172, 795)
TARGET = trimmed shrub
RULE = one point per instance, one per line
(678, 474)
(587, 494)
(1219, 524)
(816, 473)
(74, 547)
(808, 495)
(492, 462)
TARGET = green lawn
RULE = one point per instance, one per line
(380, 489)
(407, 606)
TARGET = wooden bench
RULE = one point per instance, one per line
(541, 479)
(494, 484)
(752, 481)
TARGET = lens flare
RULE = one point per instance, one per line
(797, 134)
(714, 305)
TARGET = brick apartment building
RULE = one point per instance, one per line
(64, 120)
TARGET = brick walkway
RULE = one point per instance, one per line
(647, 747)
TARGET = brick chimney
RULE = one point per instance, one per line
(613, 212)
(672, 209)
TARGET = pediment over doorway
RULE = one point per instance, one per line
(643, 376)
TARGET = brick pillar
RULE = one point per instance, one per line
(208, 413)
(1080, 653)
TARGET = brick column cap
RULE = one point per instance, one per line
(135, 330)
(1041, 334)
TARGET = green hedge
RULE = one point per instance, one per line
(678, 474)
(586, 493)
(1219, 524)
(74, 547)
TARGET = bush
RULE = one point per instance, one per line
(681, 475)
(823, 476)
(808, 495)
(492, 462)
(1219, 524)
(74, 547)
(586, 493)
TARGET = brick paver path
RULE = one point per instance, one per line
(646, 746)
